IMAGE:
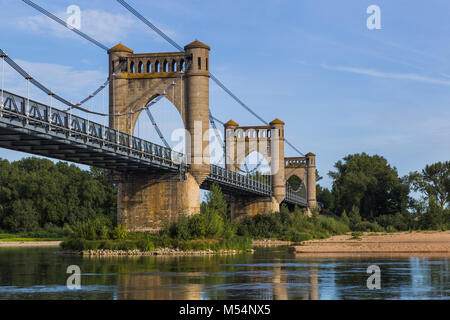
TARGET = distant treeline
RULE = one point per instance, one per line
(370, 192)
(40, 195)
(367, 194)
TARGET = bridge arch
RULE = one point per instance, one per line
(188, 92)
(297, 185)
(168, 120)
(267, 140)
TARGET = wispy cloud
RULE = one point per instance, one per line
(388, 75)
(65, 80)
(103, 26)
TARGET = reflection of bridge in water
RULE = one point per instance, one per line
(214, 282)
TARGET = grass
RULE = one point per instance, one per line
(8, 237)
(149, 242)
(356, 235)
(29, 239)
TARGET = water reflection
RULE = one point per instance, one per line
(270, 273)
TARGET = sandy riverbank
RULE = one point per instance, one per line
(401, 244)
(4, 244)
(270, 243)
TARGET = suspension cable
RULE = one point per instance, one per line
(217, 81)
(65, 24)
(3, 56)
(151, 25)
(85, 36)
(40, 86)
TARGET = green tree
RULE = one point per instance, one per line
(369, 183)
(434, 182)
(37, 193)
(215, 201)
(325, 197)
(354, 218)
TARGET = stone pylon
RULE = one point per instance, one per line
(146, 202)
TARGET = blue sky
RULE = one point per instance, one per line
(339, 87)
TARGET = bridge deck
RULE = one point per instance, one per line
(35, 128)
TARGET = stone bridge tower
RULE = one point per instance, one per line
(138, 78)
(269, 142)
(305, 169)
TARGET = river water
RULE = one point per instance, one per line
(269, 273)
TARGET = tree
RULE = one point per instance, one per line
(215, 201)
(434, 182)
(325, 197)
(369, 183)
(38, 194)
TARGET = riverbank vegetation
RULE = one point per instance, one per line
(43, 199)
(212, 229)
(46, 200)
(369, 195)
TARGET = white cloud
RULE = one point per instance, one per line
(105, 27)
(66, 81)
(388, 75)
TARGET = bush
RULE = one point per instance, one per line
(146, 243)
(197, 226)
(390, 229)
(367, 226)
(398, 221)
(81, 244)
(297, 236)
(180, 229)
(333, 226)
(93, 229)
(345, 219)
(214, 223)
(119, 232)
(354, 218)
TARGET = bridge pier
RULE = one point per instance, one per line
(241, 206)
(144, 205)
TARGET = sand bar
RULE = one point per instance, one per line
(4, 244)
(401, 243)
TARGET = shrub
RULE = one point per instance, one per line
(333, 226)
(390, 229)
(297, 236)
(397, 221)
(93, 229)
(119, 232)
(196, 226)
(344, 218)
(354, 218)
(180, 229)
(213, 223)
(146, 243)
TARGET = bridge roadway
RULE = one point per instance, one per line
(35, 128)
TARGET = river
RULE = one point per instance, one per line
(269, 273)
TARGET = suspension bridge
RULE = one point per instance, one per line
(155, 183)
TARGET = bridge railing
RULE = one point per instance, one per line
(236, 180)
(34, 114)
(296, 196)
(295, 162)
